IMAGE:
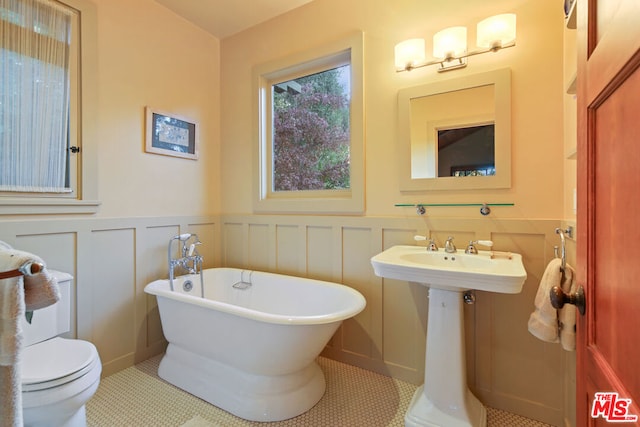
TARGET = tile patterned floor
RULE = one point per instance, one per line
(355, 397)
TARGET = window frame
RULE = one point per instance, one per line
(82, 132)
(348, 50)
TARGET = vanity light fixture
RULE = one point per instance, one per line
(450, 45)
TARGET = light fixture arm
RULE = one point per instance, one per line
(449, 63)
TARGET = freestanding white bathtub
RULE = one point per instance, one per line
(250, 349)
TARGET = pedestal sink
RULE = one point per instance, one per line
(444, 400)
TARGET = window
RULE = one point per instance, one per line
(310, 131)
(47, 107)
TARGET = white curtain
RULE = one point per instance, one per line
(34, 95)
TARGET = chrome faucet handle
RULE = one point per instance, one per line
(449, 247)
(471, 249)
(431, 245)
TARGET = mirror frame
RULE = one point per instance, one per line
(501, 79)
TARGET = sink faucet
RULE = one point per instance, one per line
(449, 247)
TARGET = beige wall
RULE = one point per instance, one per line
(149, 56)
(536, 64)
(570, 123)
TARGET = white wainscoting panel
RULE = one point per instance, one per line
(113, 259)
(288, 249)
(506, 366)
(258, 246)
(113, 283)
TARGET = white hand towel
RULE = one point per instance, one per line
(11, 311)
(16, 294)
(543, 322)
(10, 401)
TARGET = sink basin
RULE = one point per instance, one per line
(503, 273)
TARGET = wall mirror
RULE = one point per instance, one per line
(456, 134)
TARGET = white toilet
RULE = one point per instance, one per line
(59, 375)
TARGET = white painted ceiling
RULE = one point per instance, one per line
(223, 18)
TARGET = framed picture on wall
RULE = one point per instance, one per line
(171, 135)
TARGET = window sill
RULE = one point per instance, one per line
(35, 206)
(352, 205)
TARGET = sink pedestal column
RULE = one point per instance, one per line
(444, 400)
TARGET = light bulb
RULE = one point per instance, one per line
(497, 31)
(450, 42)
(409, 54)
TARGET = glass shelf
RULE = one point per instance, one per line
(420, 207)
(411, 205)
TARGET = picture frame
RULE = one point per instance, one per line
(170, 135)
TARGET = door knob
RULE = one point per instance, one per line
(559, 298)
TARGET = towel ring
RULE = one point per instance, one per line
(563, 251)
(557, 296)
(27, 269)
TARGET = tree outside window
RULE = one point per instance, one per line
(311, 132)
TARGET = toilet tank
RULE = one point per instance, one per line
(53, 320)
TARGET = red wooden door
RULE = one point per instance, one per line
(608, 354)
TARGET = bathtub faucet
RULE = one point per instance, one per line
(190, 261)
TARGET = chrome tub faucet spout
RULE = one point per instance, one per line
(190, 261)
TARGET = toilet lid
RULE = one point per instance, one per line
(56, 359)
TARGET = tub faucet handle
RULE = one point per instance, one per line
(192, 247)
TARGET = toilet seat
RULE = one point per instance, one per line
(56, 362)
